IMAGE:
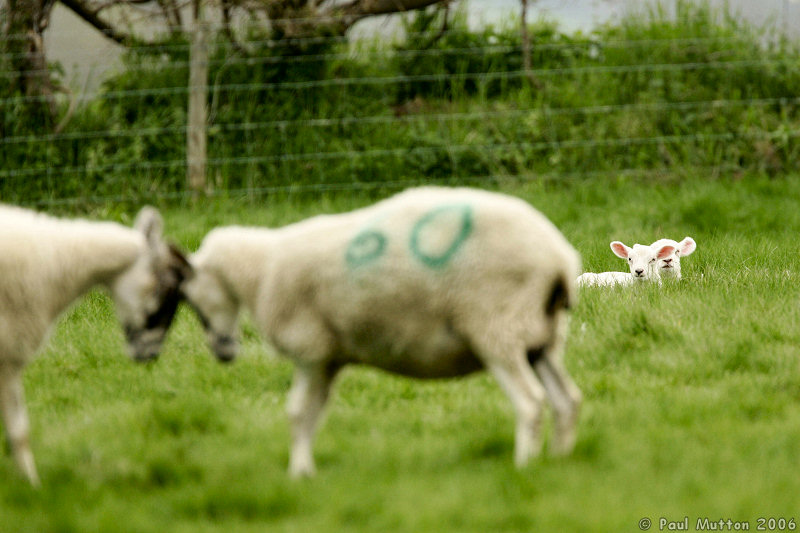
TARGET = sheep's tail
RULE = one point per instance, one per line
(561, 296)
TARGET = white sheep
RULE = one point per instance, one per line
(431, 283)
(669, 267)
(642, 261)
(590, 279)
(45, 264)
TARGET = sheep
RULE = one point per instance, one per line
(642, 261)
(430, 283)
(46, 264)
(670, 267)
(605, 279)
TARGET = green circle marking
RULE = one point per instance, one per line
(441, 259)
(366, 247)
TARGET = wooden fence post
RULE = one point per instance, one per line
(196, 134)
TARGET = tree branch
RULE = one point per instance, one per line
(345, 15)
(82, 10)
(225, 7)
(367, 8)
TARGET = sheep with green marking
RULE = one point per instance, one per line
(430, 283)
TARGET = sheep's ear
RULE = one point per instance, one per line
(149, 222)
(179, 263)
(620, 250)
(665, 251)
(687, 246)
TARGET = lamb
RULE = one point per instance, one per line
(642, 261)
(46, 264)
(588, 279)
(431, 283)
(670, 267)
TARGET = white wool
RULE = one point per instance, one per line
(433, 282)
(46, 263)
(669, 267)
(605, 279)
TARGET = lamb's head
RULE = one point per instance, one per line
(216, 307)
(642, 259)
(146, 294)
(670, 266)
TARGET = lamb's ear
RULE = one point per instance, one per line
(620, 250)
(149, 222)
(686, 246)
(179, 263)
(665, 251)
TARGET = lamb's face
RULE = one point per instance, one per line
(670, 266)
(147, 294)
(642, 260)
(217, 311)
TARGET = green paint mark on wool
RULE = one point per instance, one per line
(365, 248)
(432, 222)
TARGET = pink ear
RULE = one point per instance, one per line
(687, 246)
(665, 251)
(620, 250)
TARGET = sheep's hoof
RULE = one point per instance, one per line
(225, 358)
(302, 471)
(145, 357)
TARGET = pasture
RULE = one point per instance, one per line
(691, 395)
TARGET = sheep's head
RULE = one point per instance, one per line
(670, 266)
(216, 308)
(146, 295)
(642, 259)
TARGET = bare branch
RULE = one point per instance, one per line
(91, 16)
(366, 8)
(73, 105)
(225, 8)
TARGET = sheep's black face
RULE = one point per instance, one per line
(147, 298)
(217, 311)
(145, 342)
(224, 345)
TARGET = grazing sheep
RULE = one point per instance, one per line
(431, 283)
(670, 266)
(45, 264)
(642, 261)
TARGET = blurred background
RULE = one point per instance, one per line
(148, 100)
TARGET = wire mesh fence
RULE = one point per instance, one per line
(650, 99)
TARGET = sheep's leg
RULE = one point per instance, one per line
(527, 395)
(565, 399)
(307, 399)
(15, 419)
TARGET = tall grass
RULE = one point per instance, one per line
(692, 397)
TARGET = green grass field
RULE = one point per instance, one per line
(692, 397)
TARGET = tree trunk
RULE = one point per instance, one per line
(27, 20)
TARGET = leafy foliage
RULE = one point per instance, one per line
(661, 94)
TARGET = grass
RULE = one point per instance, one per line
(692, 397)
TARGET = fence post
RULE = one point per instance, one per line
(196, 134)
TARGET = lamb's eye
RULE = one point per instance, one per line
(629, 259)
(652, 260)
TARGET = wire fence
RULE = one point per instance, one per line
(362, 116)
